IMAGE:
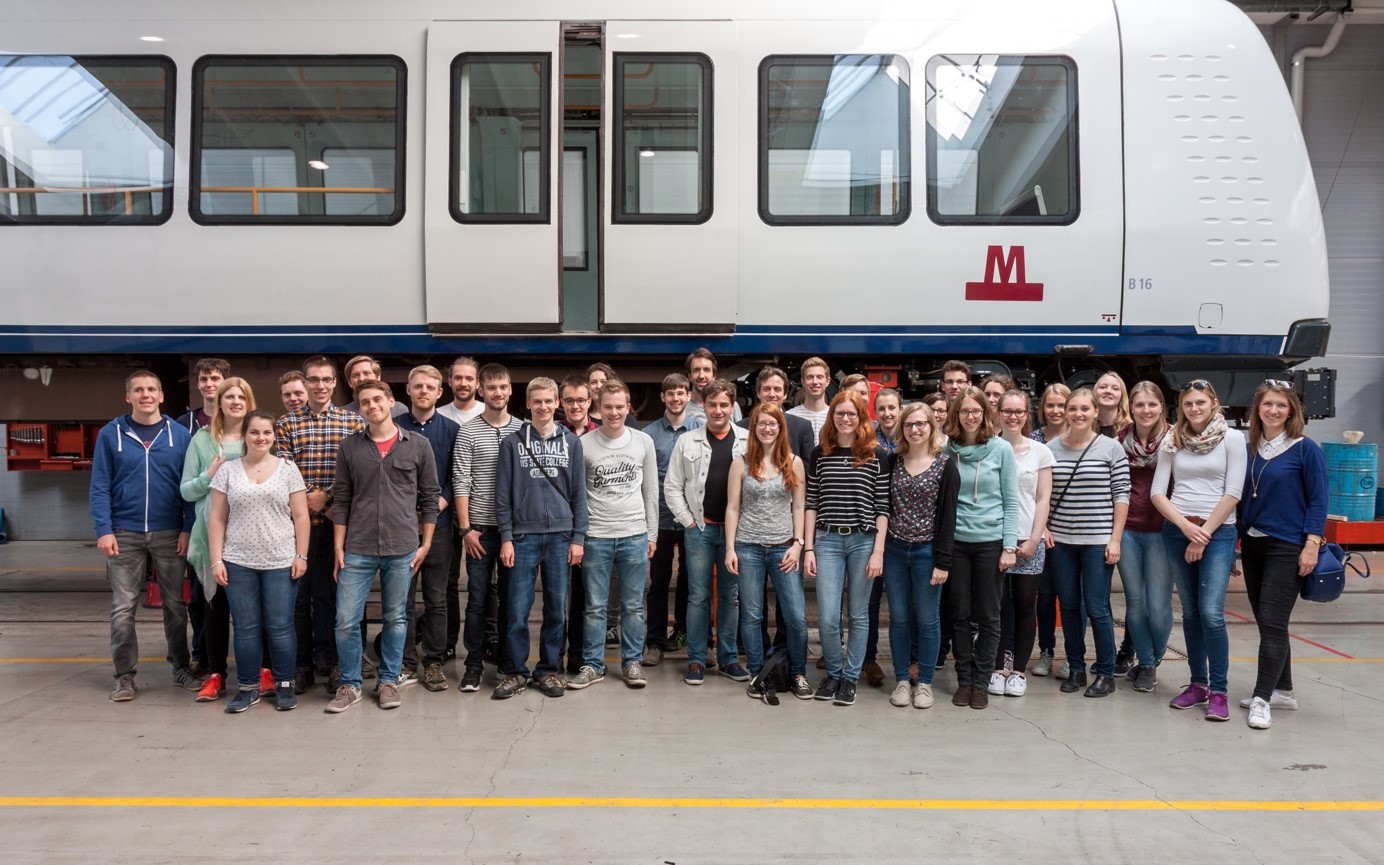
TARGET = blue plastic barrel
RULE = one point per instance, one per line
(1352, 473)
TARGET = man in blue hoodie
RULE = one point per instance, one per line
(139, 514)
(540, 505)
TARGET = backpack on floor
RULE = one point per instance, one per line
(774, 676)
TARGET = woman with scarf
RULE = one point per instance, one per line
(1281, 524)
(1207, 460)
(987, 526)
(1145, 571)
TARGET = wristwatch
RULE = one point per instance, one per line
(1011, 549)
(300, 556)
(465, 530)
(798, 541)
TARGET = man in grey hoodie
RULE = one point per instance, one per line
(540, 505)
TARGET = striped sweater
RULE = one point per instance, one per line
(1084, 504)
(475, 459)
(844, 495)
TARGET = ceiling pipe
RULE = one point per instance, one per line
(1302, 55)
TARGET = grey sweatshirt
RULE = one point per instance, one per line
(621, 484)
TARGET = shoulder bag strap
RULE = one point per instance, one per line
(1057, 500)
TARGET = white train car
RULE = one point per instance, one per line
(1056, 183)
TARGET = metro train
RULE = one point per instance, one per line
(1105, 186)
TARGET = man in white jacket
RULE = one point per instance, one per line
(695, 490)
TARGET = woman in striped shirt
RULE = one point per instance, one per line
(987, 525)
(1090, 499)
(1208, 459)
(847, 517)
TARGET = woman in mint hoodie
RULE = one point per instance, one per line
(987, 524)
(212, 447)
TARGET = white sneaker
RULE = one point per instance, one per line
(1015, 685)
(1277, 700)
(903, 693)
(922, 696)
(996, 684)
(1259, 717)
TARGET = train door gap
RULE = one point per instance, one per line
(579, 172)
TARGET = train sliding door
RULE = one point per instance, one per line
(669, 156)
(491, 226)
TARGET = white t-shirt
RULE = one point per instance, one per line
(1199, 481)
(451, 411)
(259, 526)
(818, 419)
(1028, 464)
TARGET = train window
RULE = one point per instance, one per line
(501, 115)
(298, 140)
(662, 150)
(86, 140)
(1001, 140)
(833, 140)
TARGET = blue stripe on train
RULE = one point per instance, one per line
(880, 340)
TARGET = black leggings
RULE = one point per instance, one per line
(975, 603)
(1273, 584)
(1018, 610)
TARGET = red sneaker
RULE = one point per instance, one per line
(266, 681)
(212, 689)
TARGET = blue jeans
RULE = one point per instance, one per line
(706, 550)
(631, 555)
(757, 561)
(546, 550)
(352, 587)
(841, 564)
(1083, 579)
(262, 604)
(1201, 588)
(1147, 577)
(913, 607)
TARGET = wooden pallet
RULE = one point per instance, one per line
(1355, 534)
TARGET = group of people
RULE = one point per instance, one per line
(975, 518)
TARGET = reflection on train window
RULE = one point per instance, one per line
(501, 159)
(662, 149)
(1001, 140)
(86, 140)
(833, 140)
(298, 140)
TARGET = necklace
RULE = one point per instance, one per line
(1255, 479)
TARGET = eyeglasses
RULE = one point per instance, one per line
(767, 424)
(971, 412)
(582, 401)
(1196, 384)
(316, 381)
(1013, 412)
(917, 424)
(848, 414)
(1278, 382)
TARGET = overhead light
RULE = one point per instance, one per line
(318, 164)
(627, 36)
(151, 39)
(647, 152)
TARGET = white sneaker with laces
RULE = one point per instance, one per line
(902, 696)
(1259, 716)
(1277, 700)
(996, 683)
(1015, 685)
(922, 696)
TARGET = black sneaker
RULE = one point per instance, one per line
(827, 688)
(1147, 678)
(845, 694)
(1123, 661)
(243, 699)
(470, 680)
(612, 636)
(285, 697)
(302, 680)
(755, 691)
(801, 689)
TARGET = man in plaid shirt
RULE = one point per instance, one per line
(310, 438)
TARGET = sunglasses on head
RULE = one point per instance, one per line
(1196, 384)
(1278, 382)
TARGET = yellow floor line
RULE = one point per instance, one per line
(684, 803)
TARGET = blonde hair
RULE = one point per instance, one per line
(1181, 425)
(1153, 390)
(1122, 415)
(934, 440)
(218, 423)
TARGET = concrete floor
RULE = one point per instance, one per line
(673, 774)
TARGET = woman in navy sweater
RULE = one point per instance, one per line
(1281, 520)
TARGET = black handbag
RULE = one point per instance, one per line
(1328, 580)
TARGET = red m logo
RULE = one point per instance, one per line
(1005, 278)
